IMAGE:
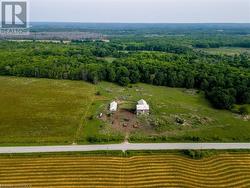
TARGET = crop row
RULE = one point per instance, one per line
(231, 170)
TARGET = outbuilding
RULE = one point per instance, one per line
(142, 107)
(113, 106)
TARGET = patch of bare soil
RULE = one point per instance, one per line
(190, 91)
(246, 118)
(124, 121)
(243, 117)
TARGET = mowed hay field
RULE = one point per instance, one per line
(166, 170)
(42, 111)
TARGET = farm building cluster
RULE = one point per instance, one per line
(142, 107)
(124, 115)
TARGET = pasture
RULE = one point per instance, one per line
(162, 170)
(45, 112)
(227, 50)
(201, 121)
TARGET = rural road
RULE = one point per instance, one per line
(124, 147)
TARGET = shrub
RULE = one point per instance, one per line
(98, 93)
(194, 138)
(91, 117)
(179, 120)
(221, 98)
(243, 110)
(105, 138)
(198, 154)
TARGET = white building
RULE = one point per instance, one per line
(142, 107)
(113, 106)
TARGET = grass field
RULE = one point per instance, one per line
(203, 122)
(42, 111)
(166, 170)
(227, 50)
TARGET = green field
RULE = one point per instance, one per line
(202, 121)
(43, 111)
(227, 50)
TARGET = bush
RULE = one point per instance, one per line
(243, 110)
(124, 81)
(105, 138)
(142, 138)
(91, 117)
(198, 154)
(221, 98)
(98, 93)
(179, 120)
(193, 138)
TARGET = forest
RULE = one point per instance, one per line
(173, 61)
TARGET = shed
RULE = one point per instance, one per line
(113, 106)
(142, 107)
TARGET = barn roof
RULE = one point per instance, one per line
(142, 102)
(113, 103)
(142, 105)
(113, 106)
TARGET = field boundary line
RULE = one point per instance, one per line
(83, 121)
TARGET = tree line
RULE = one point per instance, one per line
(224, 79)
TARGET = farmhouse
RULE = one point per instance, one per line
(142, 107)
(113, 106)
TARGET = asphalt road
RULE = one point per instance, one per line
(125, 147)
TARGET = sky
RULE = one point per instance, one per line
(141, 11)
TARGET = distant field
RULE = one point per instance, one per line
(227, 50)
(169, 170)
(43, 111)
